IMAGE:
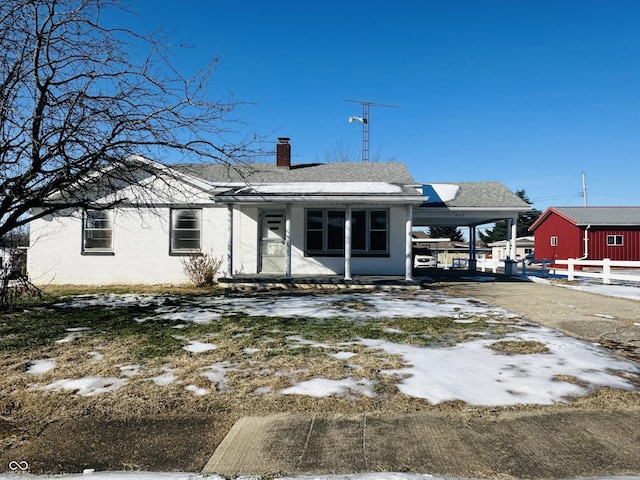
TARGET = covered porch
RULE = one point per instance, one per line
(312, 233)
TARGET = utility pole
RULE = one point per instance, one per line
(365, 124)
(584, 188)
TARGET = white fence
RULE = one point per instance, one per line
(602, 269)
(597, 268)
(484, 264)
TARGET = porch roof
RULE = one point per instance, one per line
(323, 192)
(470, 204)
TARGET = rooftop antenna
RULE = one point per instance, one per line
(584, 188)
(365, 124)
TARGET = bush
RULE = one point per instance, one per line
(202, 270)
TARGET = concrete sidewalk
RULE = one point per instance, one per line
(520, 445)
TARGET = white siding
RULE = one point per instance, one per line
(140, 249)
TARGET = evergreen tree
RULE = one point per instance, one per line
(525, 220)
(453, 233)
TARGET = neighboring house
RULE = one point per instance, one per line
(262, 219)
(5, 256)
(12, 260)
(524, 246)
(588, 232)
(447, 253)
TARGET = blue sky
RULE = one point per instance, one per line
(527, 92)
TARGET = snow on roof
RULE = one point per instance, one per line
(326, 187)
(440, 192)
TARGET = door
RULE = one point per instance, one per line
(272, 242)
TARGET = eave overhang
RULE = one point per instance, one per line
(310, 199)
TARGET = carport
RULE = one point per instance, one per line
(470, 204)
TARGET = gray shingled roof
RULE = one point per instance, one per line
(315, 172)
(483, 195)
(603, 216)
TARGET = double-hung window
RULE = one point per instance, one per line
(97, 231)
(186, 226)
(325, 232)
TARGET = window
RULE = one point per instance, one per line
(554, 241)
(185, 230)
(97, 231)
(614, 241)
(378, 231)
(325, 232)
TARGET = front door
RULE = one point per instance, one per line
(272, 242)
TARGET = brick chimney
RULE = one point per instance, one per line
(283, 152)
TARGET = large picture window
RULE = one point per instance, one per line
(185, 230)
(97, 235)
(324, 233)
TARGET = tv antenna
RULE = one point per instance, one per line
(364, 119)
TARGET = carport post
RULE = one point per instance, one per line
(472, 248)
(514, 238)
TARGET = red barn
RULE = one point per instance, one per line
(592, 233)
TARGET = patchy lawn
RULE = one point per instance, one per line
(131, 354)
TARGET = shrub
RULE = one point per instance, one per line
(202, 269)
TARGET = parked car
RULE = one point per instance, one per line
(425, 261)
(529, 258)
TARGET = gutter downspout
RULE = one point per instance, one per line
(586, 244)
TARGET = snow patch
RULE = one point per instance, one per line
(476, 374)
(323, 387)
(87, 386)
(196, 390)
(40, 367)
(165, 378)
(195, 346)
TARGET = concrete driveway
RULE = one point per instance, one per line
(537, 442)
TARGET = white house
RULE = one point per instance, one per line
(277, 219)
(499, 248)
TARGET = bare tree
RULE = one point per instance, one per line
(80, 97)
(339, 153)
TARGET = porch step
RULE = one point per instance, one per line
(328, 282)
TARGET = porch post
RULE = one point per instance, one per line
(408, 250)
(472, 249)
(347, 243)
(514, 238)
(230, 240)
(509, 237)
(287, 241)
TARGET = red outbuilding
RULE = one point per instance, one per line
(591, 233)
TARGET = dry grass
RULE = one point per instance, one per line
(519, 347)
(259, 357)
